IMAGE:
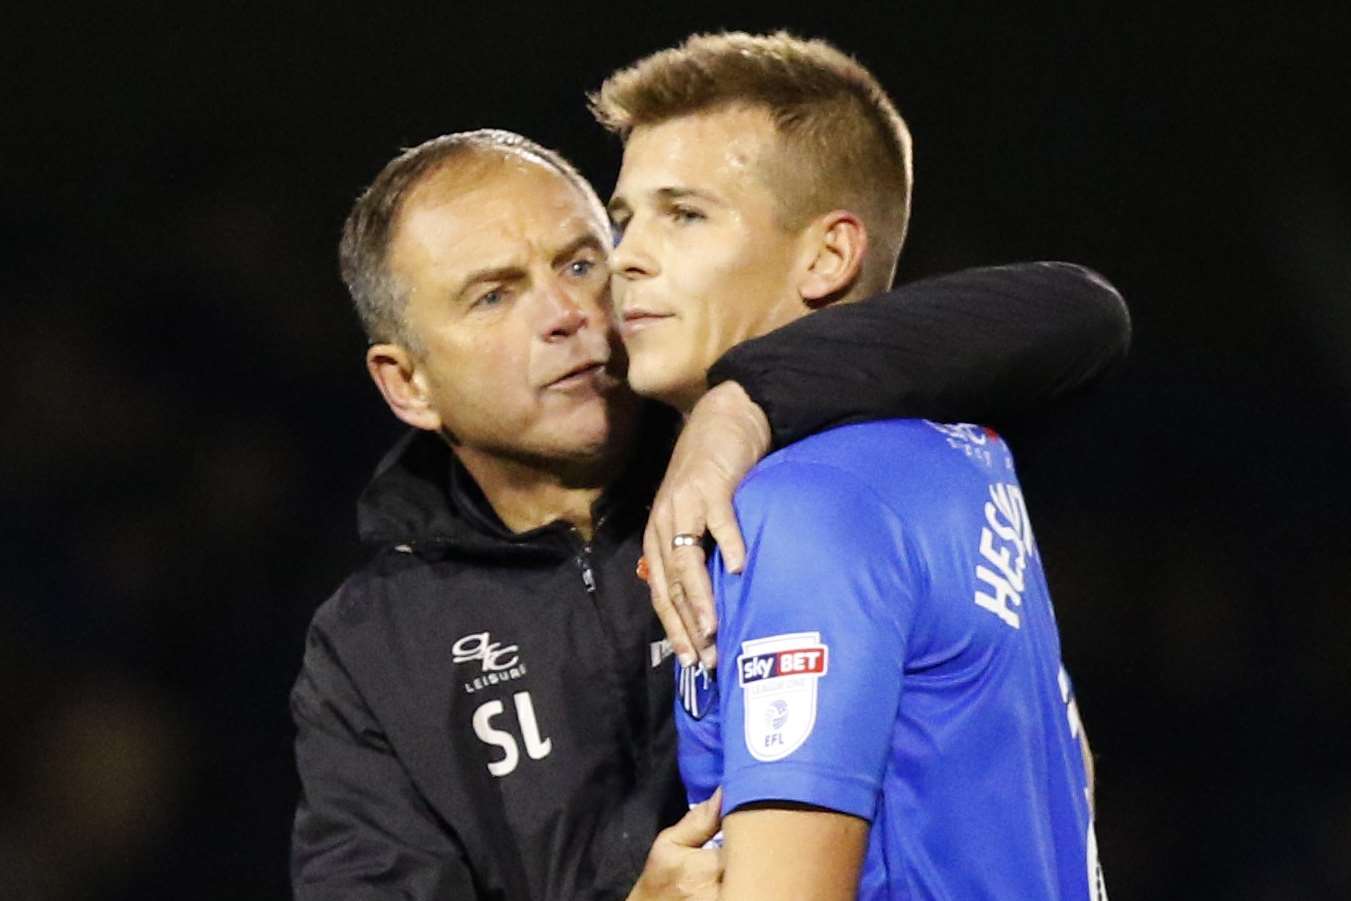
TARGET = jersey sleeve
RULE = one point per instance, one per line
(362, 831)
(812, 640)
(982, 345)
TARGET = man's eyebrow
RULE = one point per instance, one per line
(576, 244)
(489, 274)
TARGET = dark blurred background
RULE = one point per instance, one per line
(188, 422)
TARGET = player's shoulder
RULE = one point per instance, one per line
(819, 478)
(888, 448)
(904, 465)
(846, 441)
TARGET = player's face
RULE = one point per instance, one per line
(508, 293)
(703, 263)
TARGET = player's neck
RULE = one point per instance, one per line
(529, 494)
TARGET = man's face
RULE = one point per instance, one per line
(703, 263)
(505, 267)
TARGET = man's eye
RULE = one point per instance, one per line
(489, 298)
(581, 267)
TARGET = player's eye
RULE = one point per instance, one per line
(685, 214)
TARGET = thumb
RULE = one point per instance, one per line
(700, 824)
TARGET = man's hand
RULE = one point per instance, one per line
(679, 866)
(725, 435)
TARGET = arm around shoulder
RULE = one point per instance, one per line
(980, 345)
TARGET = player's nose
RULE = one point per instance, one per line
(632, 258)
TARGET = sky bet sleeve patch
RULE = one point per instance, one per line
(778, 677)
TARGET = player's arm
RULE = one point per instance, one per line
(774, 853)
(362, 831)
(987, 345)
(829, 575)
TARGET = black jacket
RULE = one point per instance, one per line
(483, 714)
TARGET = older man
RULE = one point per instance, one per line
(484, 707)
(889, 717)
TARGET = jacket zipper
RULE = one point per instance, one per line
(583, 558)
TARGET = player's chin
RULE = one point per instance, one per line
(655, 375)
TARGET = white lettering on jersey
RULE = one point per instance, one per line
(1097, 886)
(536, 747)
(1006, 543)
(970, 439)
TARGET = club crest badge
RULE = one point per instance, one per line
(698, 690)
(778, 677)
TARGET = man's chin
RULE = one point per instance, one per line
(598, 429)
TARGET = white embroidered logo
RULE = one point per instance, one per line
(497, 663)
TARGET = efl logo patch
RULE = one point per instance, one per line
(778, 677)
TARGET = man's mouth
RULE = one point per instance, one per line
(578, 376)
(636, 319)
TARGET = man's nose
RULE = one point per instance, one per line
(631, 258)
(564, 312)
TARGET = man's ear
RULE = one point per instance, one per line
(403, 385)
(838, 245)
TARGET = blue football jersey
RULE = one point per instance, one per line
(890, 651)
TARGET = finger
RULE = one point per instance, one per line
(685, 518)
(661, 602)
(726, 531)
(703, 869)
(682, 610)
(696, 597)
(699, 824)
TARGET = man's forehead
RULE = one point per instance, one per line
(490, 185)
(494, 211)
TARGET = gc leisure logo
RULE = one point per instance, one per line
(497, 663)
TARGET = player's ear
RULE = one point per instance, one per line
(403, 385)
(836, 246)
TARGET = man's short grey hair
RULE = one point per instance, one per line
(363, 252)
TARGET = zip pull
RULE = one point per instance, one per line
(588, 577)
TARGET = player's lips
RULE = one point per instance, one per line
(584, 373)
(635, 319)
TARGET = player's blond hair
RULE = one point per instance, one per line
(843, 145)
